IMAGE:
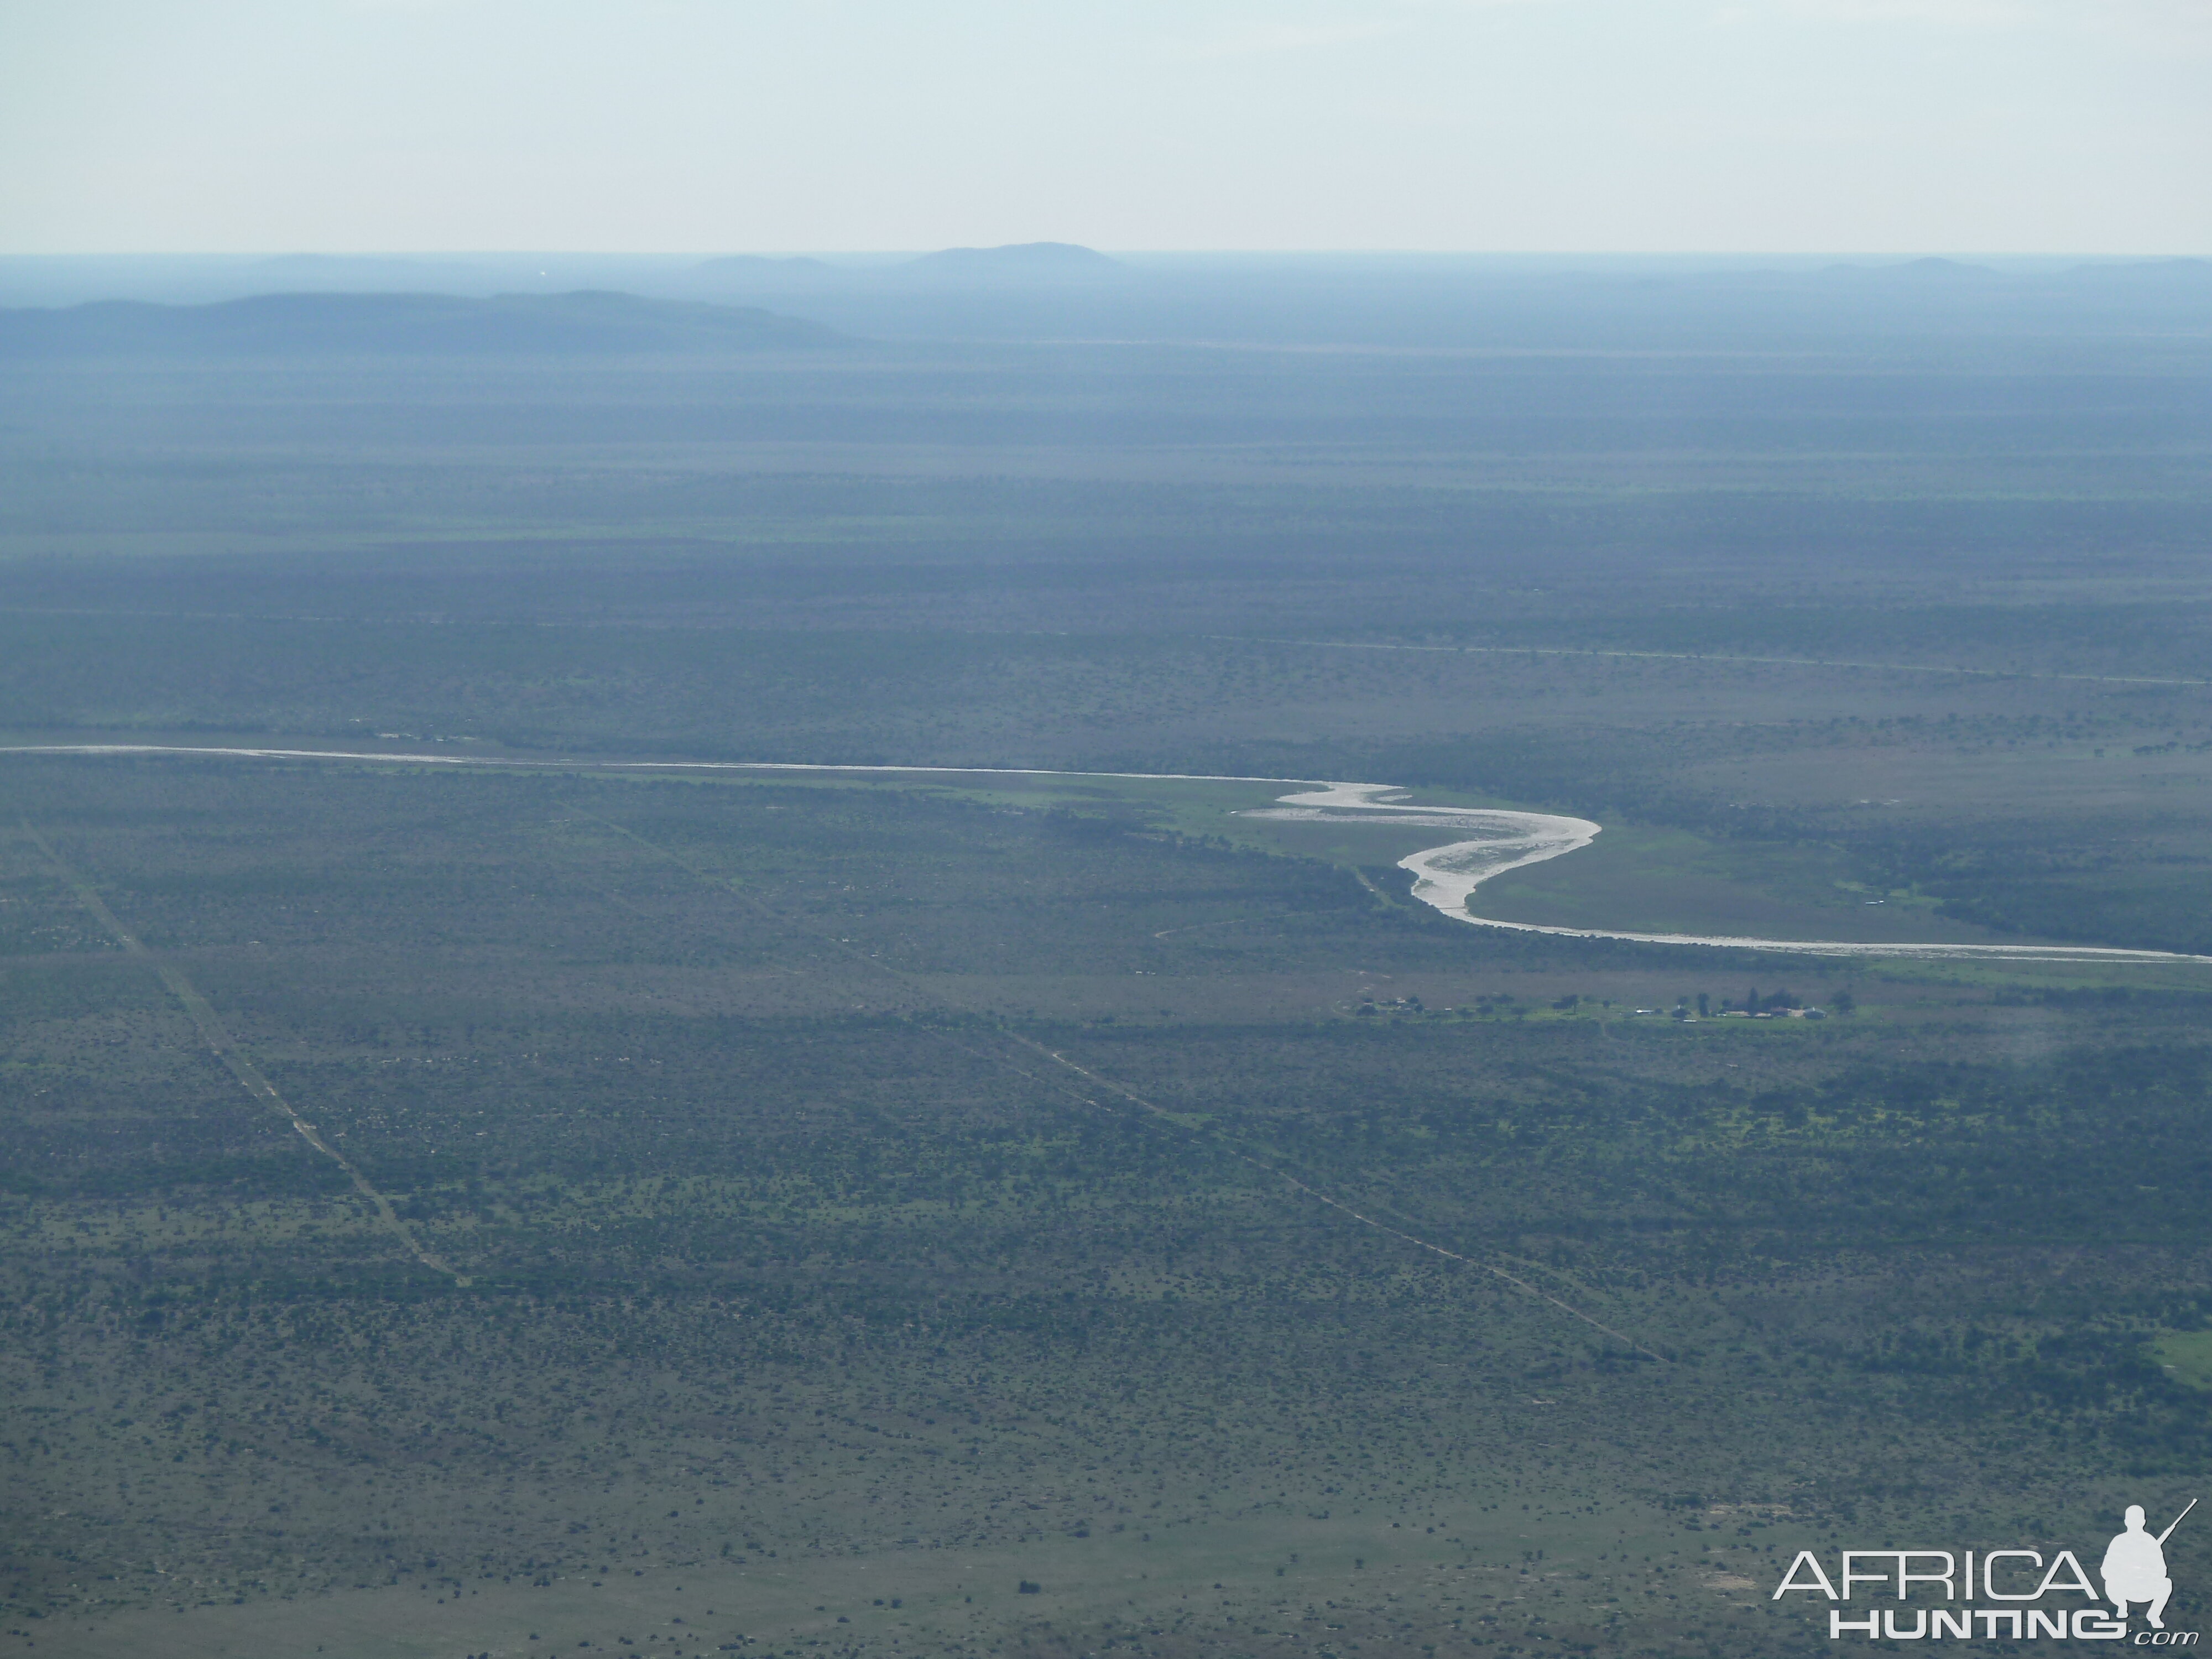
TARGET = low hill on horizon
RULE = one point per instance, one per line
(582, 323)
(1017, 262)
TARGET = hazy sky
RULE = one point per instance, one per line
(1876, 125)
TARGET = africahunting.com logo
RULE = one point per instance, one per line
(2018, 1580)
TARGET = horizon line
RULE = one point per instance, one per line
(1204, 252)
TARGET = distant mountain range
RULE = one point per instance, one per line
(561, 306)
(404, 324)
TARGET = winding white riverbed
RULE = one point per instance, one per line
(1446, 877)
(1491, 840)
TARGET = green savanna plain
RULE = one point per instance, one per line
(879, 1194)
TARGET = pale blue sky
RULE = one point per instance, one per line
(1753, 125)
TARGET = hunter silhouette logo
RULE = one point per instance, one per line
(2135, 1566)
(2021, 1583)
